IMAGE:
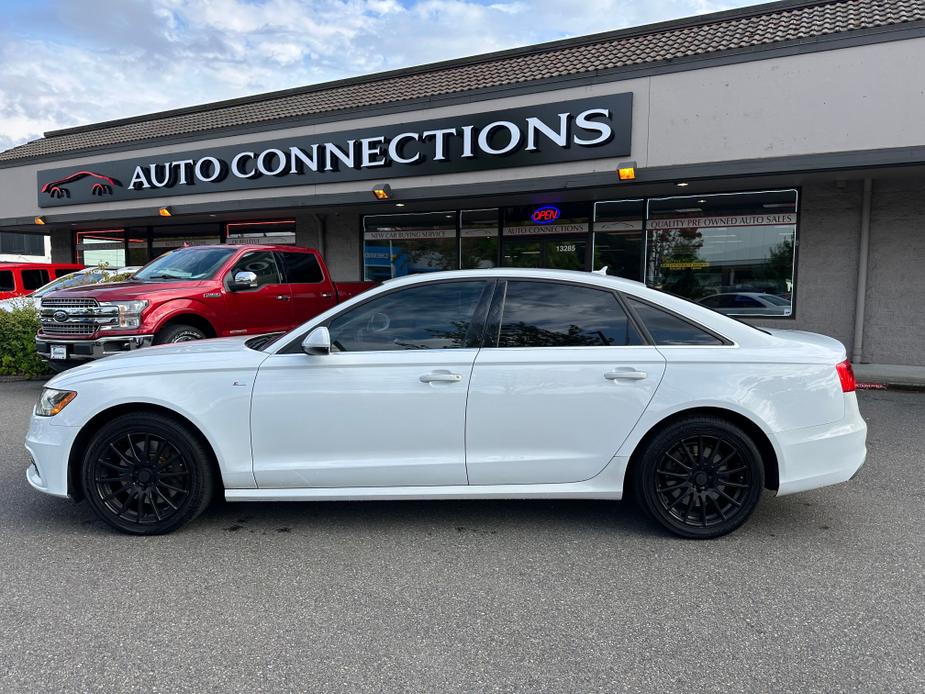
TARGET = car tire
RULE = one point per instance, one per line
(700, 477)
(147, 474)
(178, 333)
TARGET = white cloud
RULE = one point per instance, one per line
(84, 61)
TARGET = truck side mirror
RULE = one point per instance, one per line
(244, 280)
(317, 342)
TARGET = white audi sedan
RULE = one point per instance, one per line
(475, 384)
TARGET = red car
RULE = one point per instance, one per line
(190, 294)
(21, 279)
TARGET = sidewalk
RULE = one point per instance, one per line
(897, 375)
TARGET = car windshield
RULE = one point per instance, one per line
(186, 264)
(77, 279)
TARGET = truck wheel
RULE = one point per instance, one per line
(178, 333)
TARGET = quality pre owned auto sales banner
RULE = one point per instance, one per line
(542, 134)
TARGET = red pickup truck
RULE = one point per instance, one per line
(190, 294)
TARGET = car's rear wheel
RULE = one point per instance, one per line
(178, 333)
(146, 474)
(700, 477)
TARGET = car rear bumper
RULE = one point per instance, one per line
(49, 447)
(815, 457)
(84, 350)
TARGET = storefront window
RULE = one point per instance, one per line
(731, 252)
(105, 247)
(182, 236)
(405, 244)
(552, 236)
(276, 232)
(618, 242)
(478, 231)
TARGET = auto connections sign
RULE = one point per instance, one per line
(590, 128)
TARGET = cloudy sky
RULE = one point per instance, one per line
(70, 62)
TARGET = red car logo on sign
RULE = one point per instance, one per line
(101, 187)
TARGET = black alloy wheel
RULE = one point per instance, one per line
(700, 478)
(178, 333)
(146, 474)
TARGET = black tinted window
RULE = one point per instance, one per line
(546, 314)
(301, 268)
(433, 316)
(33, 279)
(667, 329)
(6, 281)
(262, 264)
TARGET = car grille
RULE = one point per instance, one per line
(68, 328)
(70, 303)
(75, 317)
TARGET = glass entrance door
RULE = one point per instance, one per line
(566, 252)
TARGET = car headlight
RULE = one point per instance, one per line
(53, 401)
(129, 313)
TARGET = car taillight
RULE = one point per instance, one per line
(846, 376)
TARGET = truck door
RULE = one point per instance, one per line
(312, 290)
(265, 308)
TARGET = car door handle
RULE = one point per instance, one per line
(283, 297)
(441, 377)
(625, 375)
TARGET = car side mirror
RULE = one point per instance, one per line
(244, 280)
(317, 342)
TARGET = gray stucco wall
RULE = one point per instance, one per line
(827, 260)
(894, 329)
(827, 268)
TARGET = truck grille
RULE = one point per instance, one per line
(68, 328)
(75, 317)
(70, 303)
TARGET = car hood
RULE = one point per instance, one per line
(123, 291)
(228, 354)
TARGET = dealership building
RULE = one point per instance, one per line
(768, 162)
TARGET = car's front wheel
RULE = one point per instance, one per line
(146, 474)
(178, 333)
(700, 477)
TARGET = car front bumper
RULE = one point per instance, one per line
(85, 350)
(818, 456)
(49, 446)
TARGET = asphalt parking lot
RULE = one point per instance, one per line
(819, 592)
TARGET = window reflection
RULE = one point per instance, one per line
(434, 316)
(546, 314)
(731, 252)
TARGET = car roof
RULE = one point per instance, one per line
(252, 246)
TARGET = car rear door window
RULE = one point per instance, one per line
(33, 279)
(431, 316)
(301, 268)
(551, 314)
(667, 329)
(6, 281)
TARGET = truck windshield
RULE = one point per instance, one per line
(186, 264)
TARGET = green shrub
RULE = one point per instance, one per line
(17, 343)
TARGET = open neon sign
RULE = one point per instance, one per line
(547, 214)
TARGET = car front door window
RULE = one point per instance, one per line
(432, 316)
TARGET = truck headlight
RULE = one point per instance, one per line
(129, 313)
(53, 401)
